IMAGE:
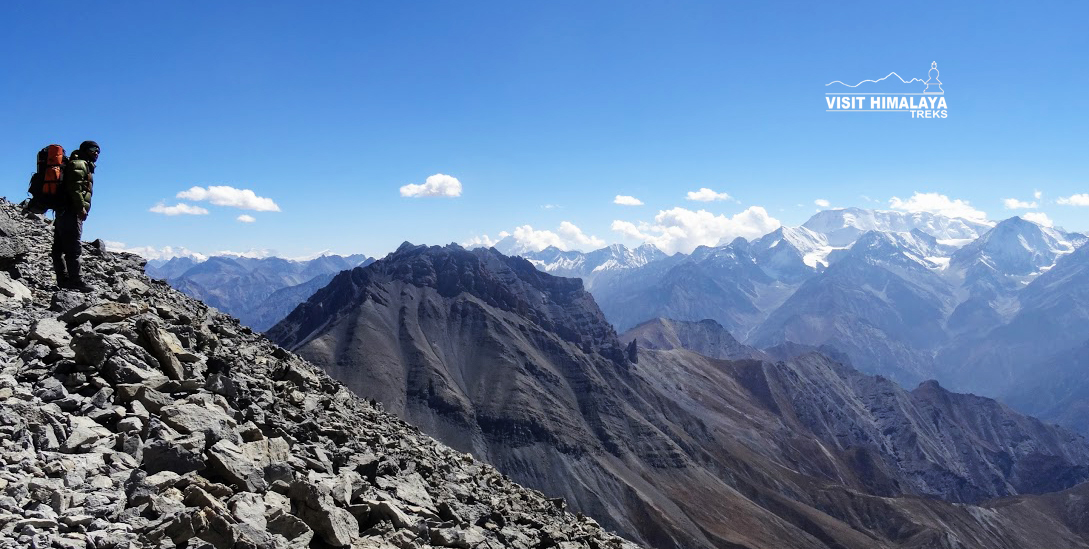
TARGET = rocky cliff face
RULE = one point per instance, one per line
(670, 447)
(134, 416)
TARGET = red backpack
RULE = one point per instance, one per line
(47, 184)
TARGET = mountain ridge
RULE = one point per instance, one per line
(421, 331)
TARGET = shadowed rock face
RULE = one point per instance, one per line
(673, 448)
(133, 416)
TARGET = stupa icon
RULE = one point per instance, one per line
(933, 85)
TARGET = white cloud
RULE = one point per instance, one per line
(567, 236)
(251, 253)
(1039, 218)
(627, 200)
(938, 204)
(549, 207)
(435, 185)
(483, 241)
(575, 238)
(180, 208)
(822, 203)
(150, 252)
(223, 195)
(682, 230)
(1015, 204)
(246, 218)
(1037, 195)
(533, 239)
(1075, 200)
(707, 195)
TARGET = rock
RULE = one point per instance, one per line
(153, 400)
(50, 331)
(191, 418)
(291, 528)
(102, 312)
(130, 425)
(12, 252)
(63, 301)
(195, 496)
(266, 452)
(227, 460)
(384, 510)
(13, 290)
(162, 455)
(93, 348)
(413, 489)
(162, 480)
(51, 389)
(135, 286)
(85, 434)
(316, 508)
(163, 345)
(249, 508)
(36, 523)
(98, 247)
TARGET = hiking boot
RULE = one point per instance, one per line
(62, 279)
(77, 285)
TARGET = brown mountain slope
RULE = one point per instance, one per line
(705, 337)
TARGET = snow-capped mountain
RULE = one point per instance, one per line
(882, 302)
(589, 265)
(843, 226)
(791, 253)
(894, 291)
(1014, 247)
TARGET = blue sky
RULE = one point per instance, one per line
(544, 112)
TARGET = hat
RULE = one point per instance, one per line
(89, 145)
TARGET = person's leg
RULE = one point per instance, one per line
(57, 253)
(73, 248)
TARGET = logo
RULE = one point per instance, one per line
(921, 98)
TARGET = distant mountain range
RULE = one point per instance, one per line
(911, 296)
(257, 291)
(980, 306)
(677, 449)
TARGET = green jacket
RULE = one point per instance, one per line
(79, 176)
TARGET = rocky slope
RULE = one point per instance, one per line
(134, 416)
(668, 446)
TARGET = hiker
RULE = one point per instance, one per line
(68, 226)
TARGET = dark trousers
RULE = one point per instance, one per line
(67, 230)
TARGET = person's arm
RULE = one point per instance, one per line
(76, 180)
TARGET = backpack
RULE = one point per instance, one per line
(47, 184)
